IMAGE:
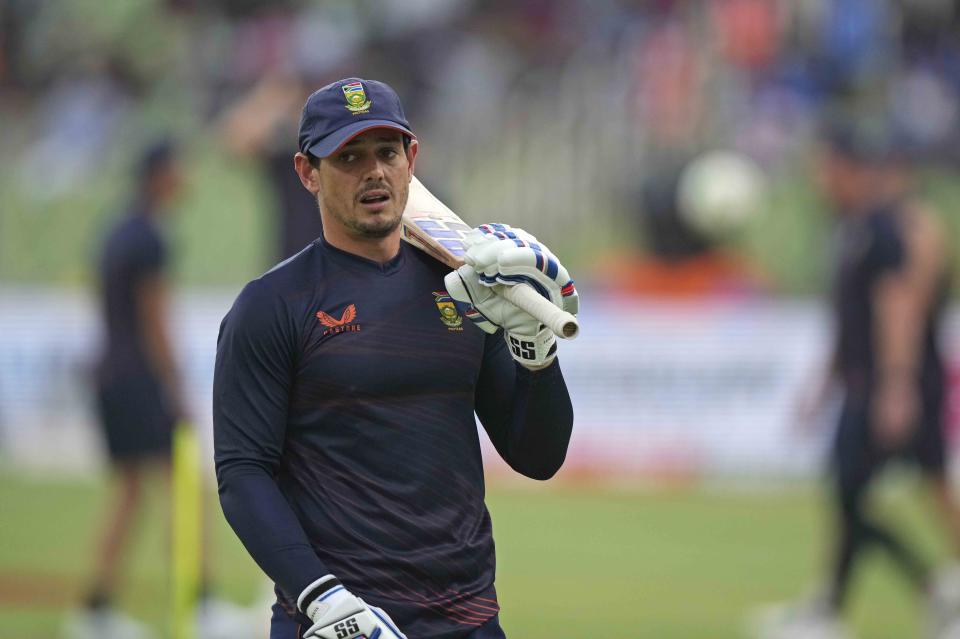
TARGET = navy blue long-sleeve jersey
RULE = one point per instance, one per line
(345, 438)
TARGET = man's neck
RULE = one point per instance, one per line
(380, 250)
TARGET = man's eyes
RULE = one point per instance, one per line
(388, 153)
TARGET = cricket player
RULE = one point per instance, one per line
(890, 285)
(345, 389)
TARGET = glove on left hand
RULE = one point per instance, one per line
(338, 614)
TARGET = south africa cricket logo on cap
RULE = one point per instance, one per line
(357, 101)
(448, 311)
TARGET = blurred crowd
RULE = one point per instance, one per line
(580, 98)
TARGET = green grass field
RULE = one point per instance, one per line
(573, 562)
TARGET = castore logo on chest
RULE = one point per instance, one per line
(343, 325)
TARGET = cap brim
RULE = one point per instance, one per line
(338, 138)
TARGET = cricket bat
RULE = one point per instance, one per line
(432, 227)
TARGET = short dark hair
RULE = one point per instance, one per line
(315, 161)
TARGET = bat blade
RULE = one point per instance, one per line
(431, 226)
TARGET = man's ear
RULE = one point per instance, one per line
(308, 175)
(412, 150)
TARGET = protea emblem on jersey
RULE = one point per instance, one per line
(448, 310)
(342, 325)
(357, 101)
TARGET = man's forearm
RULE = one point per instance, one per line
(540, 436)
(899, 325)
(904, 297)
(164, 364)
(154, 316)
(263, 520)
(532, 430)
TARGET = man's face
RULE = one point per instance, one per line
(363, 187)
(845, 182)
(172, 182)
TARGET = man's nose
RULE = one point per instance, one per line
(374, 170)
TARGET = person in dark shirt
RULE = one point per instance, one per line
(890, 285)
(139, 397)
(138, 394)
(345, 390)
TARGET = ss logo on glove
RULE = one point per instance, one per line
(347, 628)
(522, 349)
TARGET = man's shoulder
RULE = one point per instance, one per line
(283, 281)
(301, 256)
(424, 260)
(123, 228)
(132, 238)
(305, 261)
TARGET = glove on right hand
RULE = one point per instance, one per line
(488, 310)
(504, 255)
(531, 345)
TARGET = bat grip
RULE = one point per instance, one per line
(562, 323)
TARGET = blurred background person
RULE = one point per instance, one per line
(891, 281)
(138, 387)
(139, 394)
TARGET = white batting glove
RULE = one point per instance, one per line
(337, 614)
(498, 254)
(489, 311)
(532, 345)
(502, 254)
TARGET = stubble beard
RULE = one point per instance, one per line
(378, 227)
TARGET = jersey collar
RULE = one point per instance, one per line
(352, 260)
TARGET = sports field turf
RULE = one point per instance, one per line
(574, 562)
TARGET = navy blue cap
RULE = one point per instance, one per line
(346, 108)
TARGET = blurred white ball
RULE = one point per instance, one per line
(719, 190)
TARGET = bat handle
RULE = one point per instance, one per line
(562, 323)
